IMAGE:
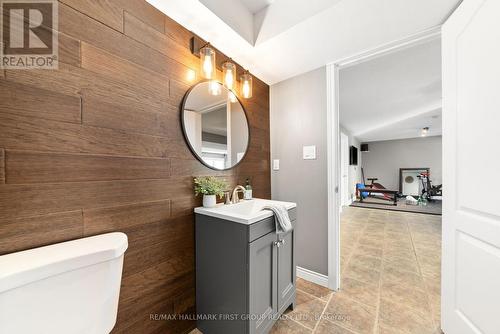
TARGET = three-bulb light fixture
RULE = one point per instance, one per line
(209, 71)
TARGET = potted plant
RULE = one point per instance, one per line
(209, 187)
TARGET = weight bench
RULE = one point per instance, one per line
(392, 193)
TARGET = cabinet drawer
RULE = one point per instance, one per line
(263, 227)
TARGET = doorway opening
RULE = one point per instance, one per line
(387, 123)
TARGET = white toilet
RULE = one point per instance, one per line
(67, 288)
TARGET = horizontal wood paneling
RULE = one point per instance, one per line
(142, 259)
(69, 50)
(24, 233)
(23, 133)
(134, 77)
(33, 102)
(158, 41)
(144, 11)
(43, 198)
(97, 146)
(101, 36)
(73, 80)
(176, 32)
(103, 11)
(2, 166)
(130, 118)
(37, 167)
(104, 220)
(155, 279)
(135, 318)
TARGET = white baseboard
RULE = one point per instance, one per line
(312, 276)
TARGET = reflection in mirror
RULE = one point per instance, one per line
(215, 125)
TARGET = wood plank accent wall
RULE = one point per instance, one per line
(97, 146)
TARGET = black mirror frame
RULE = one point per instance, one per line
(183, 126)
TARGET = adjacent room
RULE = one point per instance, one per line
(390, 112)
(390, 119)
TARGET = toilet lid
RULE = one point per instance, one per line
(24, 267)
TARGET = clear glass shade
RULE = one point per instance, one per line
(214, 88)
(207, 62)
(229, 75)
(246, 85)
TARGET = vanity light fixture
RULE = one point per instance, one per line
(246, 85)
(207, 61)
(209, 66)
(229, 74)
(425, 131)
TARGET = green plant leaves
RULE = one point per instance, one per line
(209, 185)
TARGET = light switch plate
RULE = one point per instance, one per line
(309, 152)
(276, 164)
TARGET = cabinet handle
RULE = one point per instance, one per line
(277, 243)
(282, 241)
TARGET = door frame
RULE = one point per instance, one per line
(333, 137)
(344, 166)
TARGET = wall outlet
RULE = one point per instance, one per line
(309, 152)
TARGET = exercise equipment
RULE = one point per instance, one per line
(428, 191)
(366, 190)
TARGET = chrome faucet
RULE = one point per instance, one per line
(238, 189)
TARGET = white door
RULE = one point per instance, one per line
(471, 207)
(344, 160)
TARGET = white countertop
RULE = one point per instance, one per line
(244, 212)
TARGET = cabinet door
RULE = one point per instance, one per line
(263, 278)
(286, 271)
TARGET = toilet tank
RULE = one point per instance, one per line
(68, 288)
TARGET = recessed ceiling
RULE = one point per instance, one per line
(288, 37)
(393, 96)
(255, 6)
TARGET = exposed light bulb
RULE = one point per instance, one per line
(207, 67)
(207, 62)
(214, 88)
(228, 79)
(229, 74)
(246, 89)
(246, 85)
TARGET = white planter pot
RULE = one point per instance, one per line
(209, 201)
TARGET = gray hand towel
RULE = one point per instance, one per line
(282, 220)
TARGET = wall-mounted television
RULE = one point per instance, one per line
(353, 156)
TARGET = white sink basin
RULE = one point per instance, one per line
(244, 212)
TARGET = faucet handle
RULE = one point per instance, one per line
(227, 197)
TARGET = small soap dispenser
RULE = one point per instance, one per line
(248, 190)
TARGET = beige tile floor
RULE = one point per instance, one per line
(390, 279)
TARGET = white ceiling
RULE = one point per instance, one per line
(255, 6)
(393, 96)
(280, 39)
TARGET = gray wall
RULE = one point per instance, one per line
(386, 158)
(298, 118)
(354, 171)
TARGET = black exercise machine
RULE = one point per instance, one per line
(367, 190)
(428, 190)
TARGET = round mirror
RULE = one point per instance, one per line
(215, 125)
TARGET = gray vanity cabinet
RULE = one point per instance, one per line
(286, 272)
(263, 282)
(245, 275)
